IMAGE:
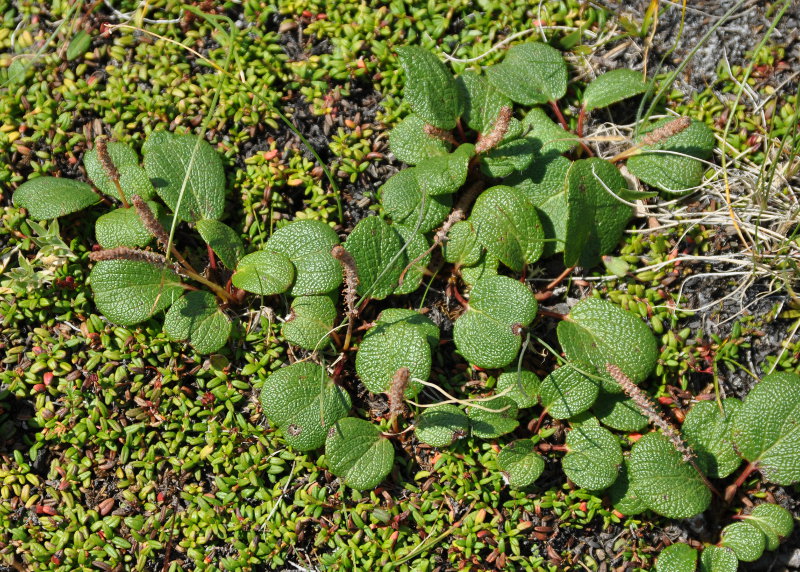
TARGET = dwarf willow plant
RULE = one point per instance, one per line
(496, 184)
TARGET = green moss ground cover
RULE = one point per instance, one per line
(122, 450)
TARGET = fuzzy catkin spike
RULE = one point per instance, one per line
(666, 131)
(101, 146)
(648, 409)
(150, 221)
(499, 129)
(397, 389)
(125, 253)
(350, 277)
(439, 133)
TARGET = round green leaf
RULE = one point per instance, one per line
(520, 463)
(594, 457)
(507, 225)
(622, 497)
(50, 197)
(389, 347)
(410, 144)
(618, 412)
(311, 321)
(496, 417)
(121, 155)
(462, 246)
(566, 392)
(611, 87)
(665, 482)
(187, 170)
(416, 246)
(440, 426)
(482, 101)
(124, 227)
(308, 244)
(223, 240)
(596, 217)
(678, 169)
(522, 386)
(530, 74)
(547, 136)
(746, 541)
(707, 430)
(677, 558)
(264, 272)
(508, 157)
(304, 403)
(718, 559)
(130, 291)
(489, 333)
(404, 202)
(375, 247)
(444, 174)
(485, 267)
(197, 317)
(774, 521)
(766, 429)
(427, 327)
(430, 88)
(597, 333)
(357, 452)
(134, 181)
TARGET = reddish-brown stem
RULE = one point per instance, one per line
(559, 115)
(555, 315)
(539, 422)
(212, 261)
(731, 490)
(581, 120)
(559, 278)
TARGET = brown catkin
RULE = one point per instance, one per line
(666, 131)
(492, 139)
(101, 146)
(397, 390)
(150, 221)
(125, 253)
(439, 133)
(350, 277)
(648, 409)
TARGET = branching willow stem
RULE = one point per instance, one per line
(465, 402)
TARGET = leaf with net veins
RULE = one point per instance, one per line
(530, 74)
(593, 458)
(404, 202)
(512, 155)
(746, 541)
(547, 136)
(522, 386)
(566, 392)
(707, 430)
(496, 417)
(486, 267)
(388, 347)
(462, 246)
(375, 247)
(395, 315)
(766, 429)
(622, 497)
(597, 332)
(308, 244)
(121, 156)
(440, 426)
(186, 170)
(264, 272)
(430, 88)
(482, 100)
(617, 411)
(416, 249)
(410, 144)
(489, 333)
(357, 452)
(665, 482)
(134, 181)
(130, 291)
(51, 197)
(675, 164)
(124, 227)
(223, 240)
(677, 558)
(507, 225)
(718, 559)
(304, 403)
(310, 322)
(775, 522)
(197, 318)
(444, 174)
(520, 464)
(612, 87)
